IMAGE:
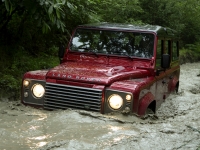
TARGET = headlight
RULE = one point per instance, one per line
(38, 90)
(115, 101)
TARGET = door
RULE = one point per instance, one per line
(162, 79)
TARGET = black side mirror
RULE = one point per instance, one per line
(165, 61)
(61, 52)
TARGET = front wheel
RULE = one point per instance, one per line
(149, 114)
(149, 111)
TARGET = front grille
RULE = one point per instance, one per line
(60, 96)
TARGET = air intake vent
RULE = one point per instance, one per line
(59, 96)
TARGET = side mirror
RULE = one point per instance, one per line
(165, 61)
(61, 52)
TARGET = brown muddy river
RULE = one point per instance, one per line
(176, 125)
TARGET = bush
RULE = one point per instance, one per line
(190, 54)
(20, 63)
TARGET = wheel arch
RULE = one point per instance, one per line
(147, 101)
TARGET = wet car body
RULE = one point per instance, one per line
(109, 68)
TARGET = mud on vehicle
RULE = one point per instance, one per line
(109, 68)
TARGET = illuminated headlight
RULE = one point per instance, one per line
(38, 90)
(115, 101)
(26, 83)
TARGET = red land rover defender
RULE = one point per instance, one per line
(107, 68)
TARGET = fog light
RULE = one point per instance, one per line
(115, 101)
(25, 94)
(126, 110)
(26, 83)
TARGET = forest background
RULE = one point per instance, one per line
(32, 30)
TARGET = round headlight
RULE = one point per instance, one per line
(115, 101)
(38, 90)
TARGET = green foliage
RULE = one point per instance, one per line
(190, 54)
(45, 13)
(31, 30)
(22, 62)
(9, 83)
(121, 11)
(183, 16)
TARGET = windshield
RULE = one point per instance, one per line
(131, 44)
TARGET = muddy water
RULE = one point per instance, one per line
(176, 124)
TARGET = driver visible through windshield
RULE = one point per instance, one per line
(132, 44)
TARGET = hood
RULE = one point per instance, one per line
(94, 73)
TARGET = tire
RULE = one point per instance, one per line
(149, 111)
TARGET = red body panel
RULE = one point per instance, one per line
(95, 72)
(38, 74)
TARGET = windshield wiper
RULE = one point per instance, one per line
(84, 48)
(122, 54)
(91, 51)
(128, 56)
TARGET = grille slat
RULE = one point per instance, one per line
(69, 86)
(64, 101)
(71, 90)
(60, 96)
(72, 94)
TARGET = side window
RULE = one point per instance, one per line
(169, 46)
(175, 53)
(166, 48)
(163, 47)
(159, 51)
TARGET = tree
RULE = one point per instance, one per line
(43, 22)
(118, 11)
(31, 31)
(182, 16)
